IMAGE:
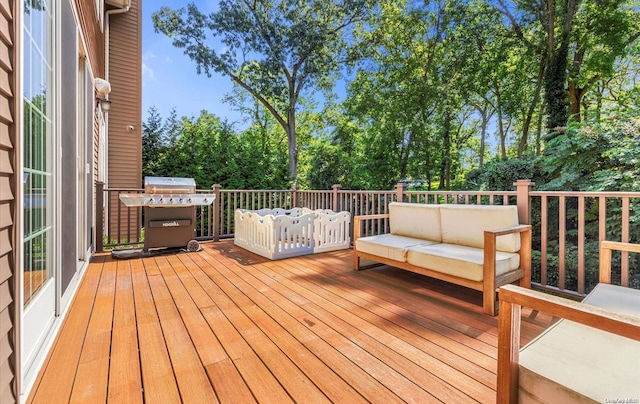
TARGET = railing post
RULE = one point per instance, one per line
(336, 197)
(400, 188)
(99, 241)
(296, 195)
(523, 187)
(216, 212)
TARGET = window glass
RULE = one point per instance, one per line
(38, 140)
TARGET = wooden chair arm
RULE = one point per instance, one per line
(606, 247)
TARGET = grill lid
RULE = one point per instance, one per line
(169, 185)
(168, 192)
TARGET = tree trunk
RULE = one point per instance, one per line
(445, 166)
(522, 146)
(404, 155)
(483, 132)
(556, 95)
(293, 147)
(576, 94)
(503, 135)
(539, 131)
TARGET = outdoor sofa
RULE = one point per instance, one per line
(477, 246)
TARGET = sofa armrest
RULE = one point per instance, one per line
(510, 230)
(489, 267)
(513, 298)
(357, 225)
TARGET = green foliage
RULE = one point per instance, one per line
(502, 174)
(210, 151)
(601, 156)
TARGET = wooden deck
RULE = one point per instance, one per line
(225, 325)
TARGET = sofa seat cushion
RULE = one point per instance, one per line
(461, 261)
(389, 246)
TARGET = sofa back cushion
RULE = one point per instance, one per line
(415, 220)
(465, 225)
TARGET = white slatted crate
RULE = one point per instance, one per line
(278, 233)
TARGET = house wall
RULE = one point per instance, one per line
(93, 35)
(8, 167)
(125, 118)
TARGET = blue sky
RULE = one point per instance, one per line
(169, 77)
(170, 80)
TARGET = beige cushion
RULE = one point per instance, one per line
(388, 245)
(415, 220)
(461, 261)
(571, 362)
(465, 225)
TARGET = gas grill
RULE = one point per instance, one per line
(170, 213)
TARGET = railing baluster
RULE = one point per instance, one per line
(624, 259)
(581, 208)
(543, 240)
(230, 208)
(561, 241)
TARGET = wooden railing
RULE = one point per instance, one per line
(567, 226)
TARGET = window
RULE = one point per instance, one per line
(38, 140)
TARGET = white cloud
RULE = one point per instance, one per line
(149, 56)
(147, 72)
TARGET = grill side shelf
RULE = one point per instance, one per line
(166, 200)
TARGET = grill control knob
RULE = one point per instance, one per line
(161, 200)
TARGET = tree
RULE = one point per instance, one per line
(274, 49)
(579, 41)
(152, 144)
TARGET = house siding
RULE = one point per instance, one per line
(8, 156)
(93, 35)
(125, 118)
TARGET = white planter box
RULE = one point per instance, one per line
(278, 233)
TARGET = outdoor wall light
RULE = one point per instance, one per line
(105, 104)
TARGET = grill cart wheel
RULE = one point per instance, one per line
(193, 246)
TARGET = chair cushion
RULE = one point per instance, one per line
(571, 362)
(415, 220)
(389, 246)
(465, 225)
(461, 261)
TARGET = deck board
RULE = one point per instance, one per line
(157, 373)
(225, 325)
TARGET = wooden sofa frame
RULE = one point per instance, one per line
(490, 281)
(513, 298)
